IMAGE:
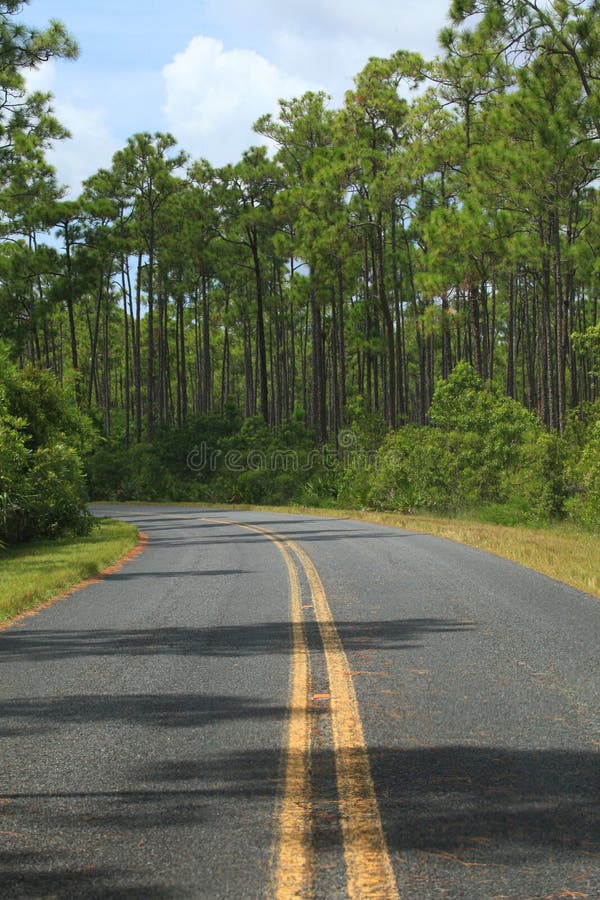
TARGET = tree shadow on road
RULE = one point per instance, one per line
(228, 640)
(479, 821)
(41, 715)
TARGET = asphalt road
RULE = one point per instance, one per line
(317, 707)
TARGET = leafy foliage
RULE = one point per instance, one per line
(42, 485)
(584, 507)
(218, 458)
(486, 454)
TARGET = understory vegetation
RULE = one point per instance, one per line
(393, 305)
(482, 453)
(43, 490)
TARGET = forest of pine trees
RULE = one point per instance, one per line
(445, 220)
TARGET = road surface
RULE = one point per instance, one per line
(264, 705)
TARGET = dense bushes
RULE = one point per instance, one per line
(482, 453)
(473, 452)
(584, 505)
(42, 484)
(213, 458)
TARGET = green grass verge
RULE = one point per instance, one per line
(33, 573)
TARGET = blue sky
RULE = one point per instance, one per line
(206, 69)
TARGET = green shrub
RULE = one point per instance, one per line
(470, 455)
(214, 457)
(354, 482)
(416, 469)
(108, 471)
(541, 481)
(57, 493)
(464, 404)
(14, 462)
(35, 396)
(42, 487)
(321, 489)
(367, 427)
(42, 493)
(584, 506)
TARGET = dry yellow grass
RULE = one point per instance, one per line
(563, 552)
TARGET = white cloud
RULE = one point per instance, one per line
(381, 26)
(90, 148)
(214, 95)
(336, 62)
(330, 41)
(91, 145)
(41, 79)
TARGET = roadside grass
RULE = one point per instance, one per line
(31, 574)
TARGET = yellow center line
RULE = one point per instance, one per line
(294, 858)
(368, 866)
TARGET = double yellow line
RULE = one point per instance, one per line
(368, 868)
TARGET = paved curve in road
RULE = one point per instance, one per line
(271, 705)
